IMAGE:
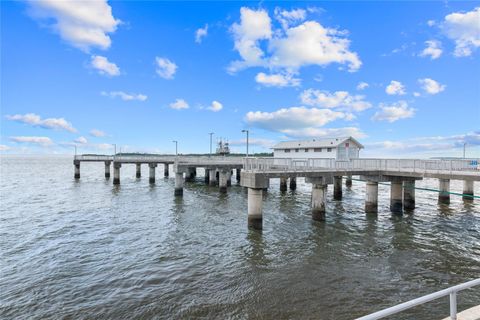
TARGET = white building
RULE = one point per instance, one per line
(341, 148)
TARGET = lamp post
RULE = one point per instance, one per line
(114, 149)
(176, 147)
(246, 131)
(464, 144)
(211, 134)
(76, 150)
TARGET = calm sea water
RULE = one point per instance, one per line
(88, 250)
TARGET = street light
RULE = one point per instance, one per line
(114, 149)
(464, 144)
(76, 150)
(176, 147)
(211, 134)
(246, 131)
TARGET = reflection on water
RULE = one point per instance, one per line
(87, 249)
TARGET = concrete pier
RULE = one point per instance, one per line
(409, 194)
(152, 167)
(223, 181)
(319, 195)
(237, 174)
(190, 174)
(467, 190)
(116, 172)
(444, 187)
(76, 164)
(371, 197)
(396, 205)
(348, 182)
(255, 216)
(139, 170)
(293, 183)
(229, 178)
(283, 184)
(178, 184)
(207, 176)
(212, 177)
(165, 170)
(107, 169)
(337, 188)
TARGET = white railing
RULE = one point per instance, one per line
(164, 158)
(452, 292)
(93, 157)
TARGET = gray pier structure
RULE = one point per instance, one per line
(255, 174)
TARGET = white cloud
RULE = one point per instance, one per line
(83, 24)
(287, 18)
(179, 104)
(201, 33)
(431, 23)
(325, 132)
(104, 66)
(4, 147)
(362, 85)
(216, 106)
(338, 99)
(431, 86)
(395, 88)
(41, 141)
(81, 140)
(49, 123)
(125, 96)
(464, 29)
(433, 49)
(97, 133)
(394, 112)
(165, 68)
(277, 80)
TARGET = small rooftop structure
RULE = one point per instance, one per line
(340, 148)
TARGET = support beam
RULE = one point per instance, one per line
(213, 177)
(396, 205)
(165, 170)
(223, 181)
(255, 216)
(409, 194)
(293, 183)
(238, 174)
(319, 195)
(371, 197)
(107, 169)
(467, 190)
(207, 176)
(139, 170)
(178, 184)
(116, 172)
(283, 184)
(76, 164)
(444, 187)
(337, 188)
(152, 167)
(348, 182)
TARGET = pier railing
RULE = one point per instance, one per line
(452, 292)
(410, 165)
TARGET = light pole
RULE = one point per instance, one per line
(76, 151)
(211, 134)
(114, 149)
(246, 131)
(176, 147)
(464, 144)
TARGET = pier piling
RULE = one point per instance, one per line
(107, 169)
(152, 167)
(293, 183)
(409, 194)
(77, 169)
(337, 188)
(467, 190)
(178, 184)
(255, 216)
(444, 187)
(138, 173)
(371, 197)
(396, 205)
(283, 184)
(116, 172)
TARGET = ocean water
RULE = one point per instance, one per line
(89, 250)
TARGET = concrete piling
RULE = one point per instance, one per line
(319, 192)
(255, 216)
(409, 194)
(396, 205)
(444, 187)
(116, 172)
(229, 178)
(139, 170)
(76, 164)
(207, 176)
(237, 174)
(165, 170)
(348, 182)
(190, 174)
(337, 188)
(213, 177)
(107, 169)
(152, 167)
(467, 190)
(283, 184)
(293, 183)
(371, 197)
(178, 184)
(223, 181)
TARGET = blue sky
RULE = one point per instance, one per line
(402, 77)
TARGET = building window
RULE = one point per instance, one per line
(317, 150)
(329, 149)
(306, 150)
(296, 150)
(287, 150)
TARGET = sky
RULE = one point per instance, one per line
(401, 77)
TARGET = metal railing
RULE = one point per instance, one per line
(93, 157)
(164, 158)
(452, 292)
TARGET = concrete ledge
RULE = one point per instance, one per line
(254, 180)
(469, 314)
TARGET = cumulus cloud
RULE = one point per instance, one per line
(201, 33)
(362, 85)
(165, 68)
(394, 112)
(431, 86)
(104, 66)
(81, 140)
(433, 49)
(338, 99)
(83, 24)
(125, 96)
(308, 43)
(464, 29)
(325, 132)
(49, 123)
(287, 18)
(41, 141)
(97, 133)
(4, 147)
(179, 104)
(395, 88)
(277, 80)
(215, 106)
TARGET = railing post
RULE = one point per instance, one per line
(453, 306)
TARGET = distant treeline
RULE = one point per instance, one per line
(261, 154)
